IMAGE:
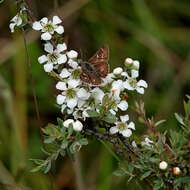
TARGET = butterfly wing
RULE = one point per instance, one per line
(100, 61)
(90, 78)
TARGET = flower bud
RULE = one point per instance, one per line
(117, 70)
(77, 125)
(163, 165)
(176, 171)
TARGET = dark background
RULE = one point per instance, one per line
(156, 33)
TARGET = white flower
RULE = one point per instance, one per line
(147, 142)
(77, 125)
(15, 21)
(163, 165)
(122, 127)
(72, 54)
(48, 27)
(68, 97)
(117, 71)
(132, 84)
(54, 56)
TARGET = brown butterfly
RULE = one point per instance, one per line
(96, 67)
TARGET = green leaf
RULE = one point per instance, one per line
(62, 153)
(110, 118)
(49, 140)
(47, 167)
(64, 144)
(52, 130)
(83, 141)
(60, 123)
(93, 113)
(37, 161)
(158, 184)
(146, 174)
(75, 147)
(179, 119)
(1, 1)
(187, 107)
(119, 173)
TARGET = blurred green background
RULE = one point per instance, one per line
(155, 32)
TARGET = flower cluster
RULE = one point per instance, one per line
(80, 100)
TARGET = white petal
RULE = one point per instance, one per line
(62, 59)
(124, 74)
(131, 126)
(73, 64)
(123, 105)
(81, 103)
(73, 83)
(18, 21)
(83, 94)
(85, 114)
(71, 103)
(61, 47)
(67, 122)
(72, 54)
(65, 73)
(113, 130)
(63, 108)
(77, 125)
(127, 85)
(12, 27)
(124, 118)
(59, 30)
(98, 94)
(142, 83)
(46, 36)
(60, 99)
(44, 20)
(134, 73)
(117, 85)
(147, 140)
(48, 47)
(140, 90)
(126, 132)
(61, 86)
(42, 59)
(134, 144)
(37, 25)
(117, 71)
(112, 112)
(56, 20)
(48, 67)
